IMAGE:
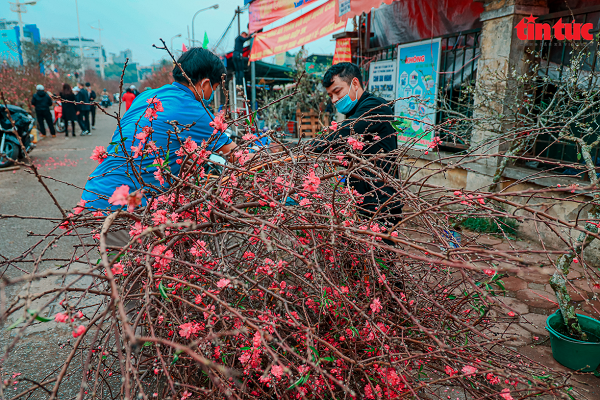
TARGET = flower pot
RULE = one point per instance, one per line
(572, 353)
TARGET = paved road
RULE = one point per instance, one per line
(43, 346)
(67, 160)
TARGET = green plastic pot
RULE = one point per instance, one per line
(572, 353)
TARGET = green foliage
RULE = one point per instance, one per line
(113, 71)
(502, 225)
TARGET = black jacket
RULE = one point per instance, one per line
(69, 110)
(238, 46)
(92, 96)
(83, 95)
(41, 101)
(376, 117)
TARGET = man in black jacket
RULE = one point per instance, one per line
(83, 110)
(238, 61)
(42, 102)
(92, 94)
(369, 131)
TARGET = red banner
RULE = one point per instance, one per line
(343, 51)
(265, 12)
(304, 29)
(345, 9)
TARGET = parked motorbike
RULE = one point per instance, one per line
(10, 148)
(59, 122)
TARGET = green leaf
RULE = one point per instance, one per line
(314, 351)
(163, 292)
(300, 381)
(354, 331)
(328, 359)
(381, 263)
(451, 297)
(146, 344)
(246, 348)
(39, 318)
(17, 322)
(176, 356)
(578, 156)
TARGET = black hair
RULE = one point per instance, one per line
(88, 84)
(345, 71)
(199, 64)
(128, 90)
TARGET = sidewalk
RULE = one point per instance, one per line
(528, 292)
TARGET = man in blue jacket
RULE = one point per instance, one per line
(146, 123)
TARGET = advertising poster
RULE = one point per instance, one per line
(417, 85)
(382, 79)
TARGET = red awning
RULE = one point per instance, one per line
(245, 53)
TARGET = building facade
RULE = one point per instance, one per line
(92, 51)
(11, 52)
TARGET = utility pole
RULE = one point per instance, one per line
(21, 8)
(101, 53)
(238, 12)
(80, 45)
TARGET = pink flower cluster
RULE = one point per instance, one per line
(99, 154)
(122, 197)
(154, 106)
(219, 123)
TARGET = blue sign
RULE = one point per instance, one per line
(416, 89)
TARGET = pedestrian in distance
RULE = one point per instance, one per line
(134, 90)
(93, 96)
(42, 102)
(69, 110)
(128, 98)
(238, 61)
(83, 110)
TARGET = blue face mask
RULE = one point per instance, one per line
(345, 104)
(210, 99)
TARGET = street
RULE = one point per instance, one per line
(44, 346)
(66, 160)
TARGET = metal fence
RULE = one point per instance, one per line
(458, 69)
(555, 55)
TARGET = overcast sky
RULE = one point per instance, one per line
(137, 24)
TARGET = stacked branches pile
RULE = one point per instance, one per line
(261, 278)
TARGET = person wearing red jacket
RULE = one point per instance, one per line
(128, 98)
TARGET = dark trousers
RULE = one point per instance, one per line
(45, 116)
(67, 127)
(93, 114)
(238, 66)
(84, 120)
(391, 216)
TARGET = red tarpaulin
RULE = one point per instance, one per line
(265, 12)
(410, 20)
(309, 27)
